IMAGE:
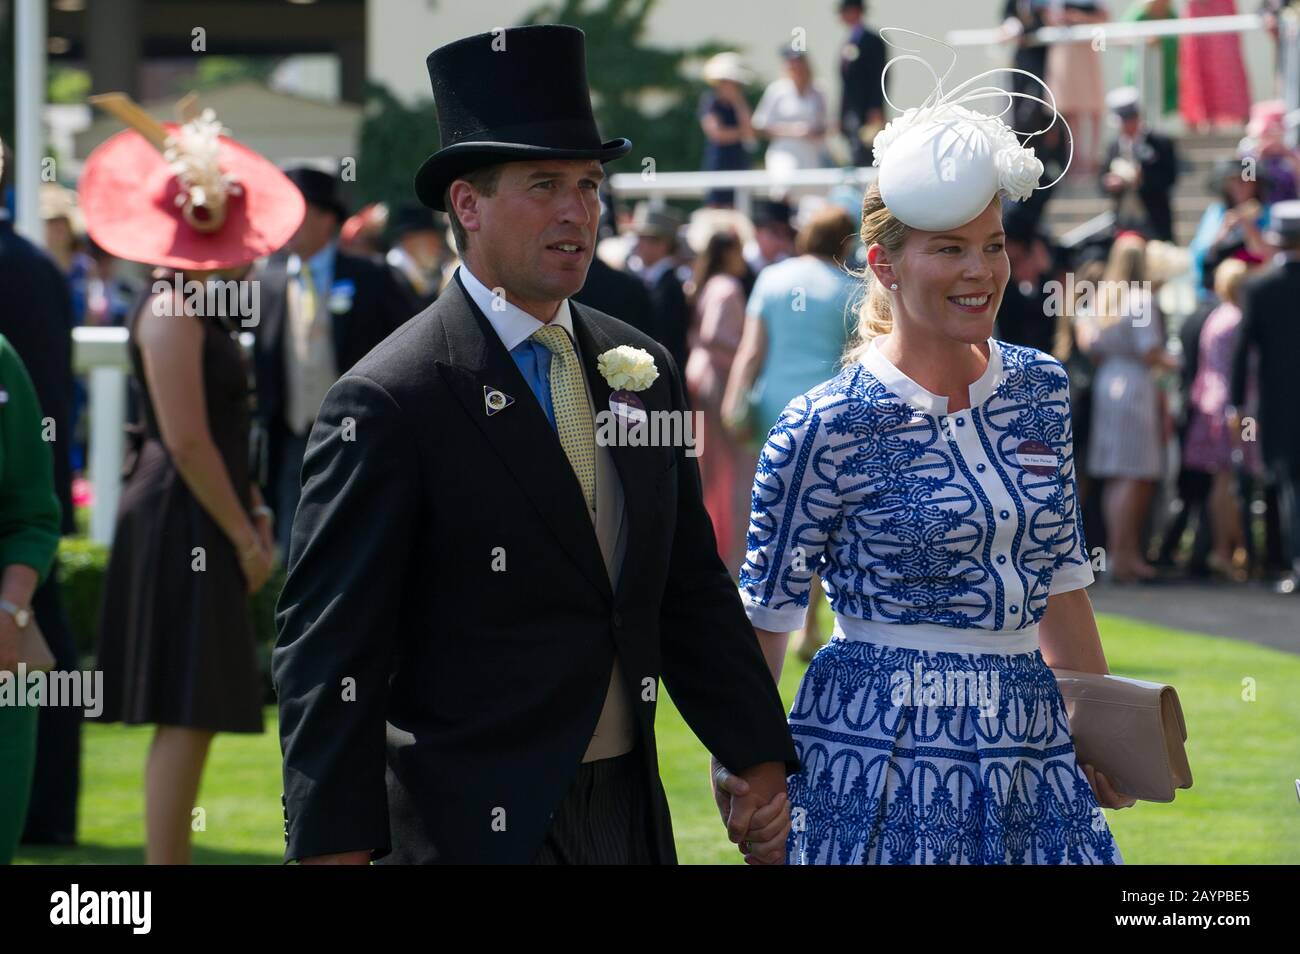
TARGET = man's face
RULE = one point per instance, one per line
(1130, 125)
(537, 234)
(318, 228)
(773, 240)
(651, 249)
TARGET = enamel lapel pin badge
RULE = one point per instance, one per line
(494, 400)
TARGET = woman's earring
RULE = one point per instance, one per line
(893, 286)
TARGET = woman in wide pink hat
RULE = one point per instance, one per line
(193, 536)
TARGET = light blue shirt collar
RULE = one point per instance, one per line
(322, 266)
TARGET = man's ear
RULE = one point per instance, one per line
(465, 202)
(880, 265)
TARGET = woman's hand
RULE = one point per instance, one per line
(8, 643)
(265, 531)
(255, 562)
(1107, 797)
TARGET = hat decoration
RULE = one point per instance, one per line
(192, 153)
(941, 163)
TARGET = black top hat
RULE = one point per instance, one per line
(509, 95)
(319, 188)
(773, 212)
(415, 218)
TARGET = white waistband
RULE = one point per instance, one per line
(938, 639)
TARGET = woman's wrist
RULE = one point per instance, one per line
(247, 542)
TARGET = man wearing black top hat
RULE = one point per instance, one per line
(482, 596)
(321, 311)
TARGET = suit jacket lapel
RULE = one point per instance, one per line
(521, 435)
(275, 294)
(633, 473)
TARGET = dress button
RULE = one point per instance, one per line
(1014, 609)
(618, 619)
(961, 422)
(1002, 558)
(1004, 514)
(979, 468)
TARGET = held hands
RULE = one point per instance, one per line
(1107, 797)
(755, 808)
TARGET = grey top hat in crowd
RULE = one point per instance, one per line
(655, 223)
(1284, 223)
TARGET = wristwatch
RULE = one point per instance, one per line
(21, 616)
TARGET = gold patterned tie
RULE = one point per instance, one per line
(308, 296)
(573, 419)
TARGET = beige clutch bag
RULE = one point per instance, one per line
(1130, 730)
(33, 649)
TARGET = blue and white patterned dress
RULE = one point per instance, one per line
(929, 728)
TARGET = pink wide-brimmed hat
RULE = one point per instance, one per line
(184, 195)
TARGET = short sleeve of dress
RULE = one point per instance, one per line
(1073, 569)
(796, 506)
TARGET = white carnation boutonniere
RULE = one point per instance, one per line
(627, 369)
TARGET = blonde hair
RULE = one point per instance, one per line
(1126, 266)
(1228, 277)
(879, 226)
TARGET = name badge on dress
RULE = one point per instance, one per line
(1037, 458)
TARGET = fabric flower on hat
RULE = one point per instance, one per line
(1018, 171)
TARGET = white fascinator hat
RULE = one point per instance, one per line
(941, 163)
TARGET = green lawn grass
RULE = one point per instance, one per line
(1242, 809)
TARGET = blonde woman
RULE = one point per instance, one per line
(930, 485)
(1122, 334)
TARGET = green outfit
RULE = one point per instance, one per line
(1169, 56)
(29, 534)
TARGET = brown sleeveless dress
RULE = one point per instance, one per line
(176, 643)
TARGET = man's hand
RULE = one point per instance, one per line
(755, 808)
(342, 858)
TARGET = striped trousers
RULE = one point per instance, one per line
(604, 817)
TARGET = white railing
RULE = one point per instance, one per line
(659, 186)
(101, 355)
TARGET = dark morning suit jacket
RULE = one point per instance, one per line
(1270, 326)
(860, 91)
(1159, 161)
(672, 314)
(379, 306)
(477, 690)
